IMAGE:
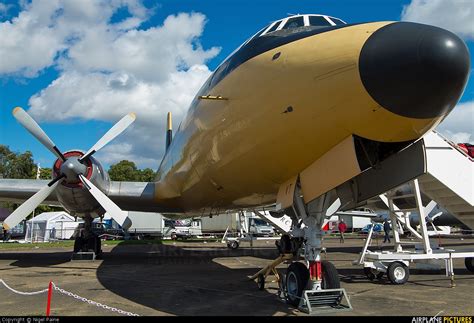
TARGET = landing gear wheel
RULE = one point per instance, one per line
(469, 262)
(398, 273)
(297, 276)
(233, 245)
(174, 236)
(330, 276)
(261, 282)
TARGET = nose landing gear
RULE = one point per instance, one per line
(87, 244)
(311, 285)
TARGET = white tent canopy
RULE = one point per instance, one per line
(50, 226)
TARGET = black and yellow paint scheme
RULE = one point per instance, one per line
(290, 98)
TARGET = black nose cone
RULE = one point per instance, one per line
(414, 70)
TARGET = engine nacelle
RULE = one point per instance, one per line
(71, 193)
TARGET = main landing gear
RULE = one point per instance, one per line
(310, 284)
(87, 243)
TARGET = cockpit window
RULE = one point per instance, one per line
(259, 33)
(274, 27)
(294, 23)
(318, 21)
(337, 21)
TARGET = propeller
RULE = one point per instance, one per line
(71, 170)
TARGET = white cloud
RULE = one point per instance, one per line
(106, 69)
(459, 124)
(41, 32)
(99, 96)
(150, 54)
(454, 15)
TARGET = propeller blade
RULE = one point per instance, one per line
(116, 130)
(114, 211)
(27, 121)
(29, 205)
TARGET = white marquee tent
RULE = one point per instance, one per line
(50, 226)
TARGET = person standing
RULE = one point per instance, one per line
(342, 228)
(386, 229)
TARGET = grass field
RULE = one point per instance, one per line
(70, 243)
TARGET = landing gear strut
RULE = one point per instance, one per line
(87, 240)
(312, 285)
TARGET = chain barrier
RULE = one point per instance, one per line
(70, 294)
(23, 293)
(91, 302)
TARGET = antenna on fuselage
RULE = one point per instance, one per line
(169, 131)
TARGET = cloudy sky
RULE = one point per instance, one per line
(78, 66)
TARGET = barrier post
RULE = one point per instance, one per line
(50, 294)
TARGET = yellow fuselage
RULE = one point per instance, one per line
(236, 152)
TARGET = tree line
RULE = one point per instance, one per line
(22, 166)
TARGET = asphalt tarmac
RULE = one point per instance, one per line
(209, 279)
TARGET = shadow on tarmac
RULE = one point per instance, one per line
(196, 280)
(179, 280)
(188, 280)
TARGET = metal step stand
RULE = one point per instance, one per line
(83, 255)
(324, 301)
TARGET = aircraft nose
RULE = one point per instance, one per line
(414, 70)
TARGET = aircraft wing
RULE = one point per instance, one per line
(19, 190)
(129, 196)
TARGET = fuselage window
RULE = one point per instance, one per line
(337, 21)
(274, 27)
(294, 23)
(318, 21)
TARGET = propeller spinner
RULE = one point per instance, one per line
(72, 169)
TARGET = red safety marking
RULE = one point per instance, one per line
(315, 270)
(50, 295)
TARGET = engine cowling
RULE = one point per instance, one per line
(71, 193)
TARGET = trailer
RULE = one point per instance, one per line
(396, 263)
(144, 225)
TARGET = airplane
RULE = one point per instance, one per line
(308, 115)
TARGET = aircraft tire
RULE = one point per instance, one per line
(297, 276)
(469, 262)
(330, 276)
(398, 273)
